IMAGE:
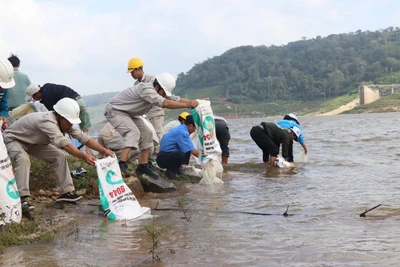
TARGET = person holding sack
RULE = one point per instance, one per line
(42, 135)
(176, 148)
(289, 121)
(269, 137)
(123, 113)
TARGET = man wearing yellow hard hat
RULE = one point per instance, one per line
(175, 123)
(124, 109)
(155, 114)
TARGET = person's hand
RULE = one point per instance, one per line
(5, 122)
(90, 159)
(305, 151)
(206, 98)
(193, 104)
(88, 151)
(109, 153)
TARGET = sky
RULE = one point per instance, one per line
(86, 44)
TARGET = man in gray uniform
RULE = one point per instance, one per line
(41, 134)
(123, 113)
(155, 114)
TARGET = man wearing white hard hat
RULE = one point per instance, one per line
(269, 137)
(6, 82)
(42, 135)
(290, 120)
(123, 113)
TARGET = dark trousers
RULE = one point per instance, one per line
(263, 141)
(223, 136)
(172, 161)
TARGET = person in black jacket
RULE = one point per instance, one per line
(269, 136)
(49, 94)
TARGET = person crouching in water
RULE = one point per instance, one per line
(41, 134)
(176, 148)
(268, 136)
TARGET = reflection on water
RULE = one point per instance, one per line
(353, 165)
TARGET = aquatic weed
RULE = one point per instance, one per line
(154, 234)
(182, 202)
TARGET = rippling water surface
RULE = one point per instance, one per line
(353, 165)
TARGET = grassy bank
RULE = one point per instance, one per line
(42, 185)
(26, 232)
(384, 104)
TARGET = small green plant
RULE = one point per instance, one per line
(182, 203)
(154, 234)
(82, 183)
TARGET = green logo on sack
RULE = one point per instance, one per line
(209, 123)
(12, 193)
(110, 181)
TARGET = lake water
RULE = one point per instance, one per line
(353, 165)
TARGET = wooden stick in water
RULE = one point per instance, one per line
(365, 212)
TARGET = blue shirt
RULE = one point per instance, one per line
(289, 124)
(178, 139)
(4, 103)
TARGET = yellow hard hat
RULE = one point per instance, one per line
(134, 63)
(184, 114)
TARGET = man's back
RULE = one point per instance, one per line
(16, 95)
(52, 93)
(177, 139)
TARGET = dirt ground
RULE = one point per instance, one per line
(339, 110)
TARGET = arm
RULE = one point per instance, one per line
(272, 160)
(72, 150)
(175, 105)
(4, 104)
(195, 152)
(305, 148)
(96, 146)
(5, 122)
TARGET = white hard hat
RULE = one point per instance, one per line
(167, 82)
(296, 131)
(6, 74)
(31, 90)
(69, 109)
(291, 115)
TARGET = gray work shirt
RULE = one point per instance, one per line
(41, 128)
(155, 111)
(136, 100)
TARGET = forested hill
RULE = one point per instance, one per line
(311, 69)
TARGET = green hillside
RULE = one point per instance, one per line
(305, 70)
(306, 76)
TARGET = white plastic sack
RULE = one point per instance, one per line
(301, 157)
(212, 171)
(192, 170)
(22, 110)
(116, 199)
(280, 162)
(207, 143)
(10, 203)
(205, 127)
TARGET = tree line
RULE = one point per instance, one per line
(312, 69)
